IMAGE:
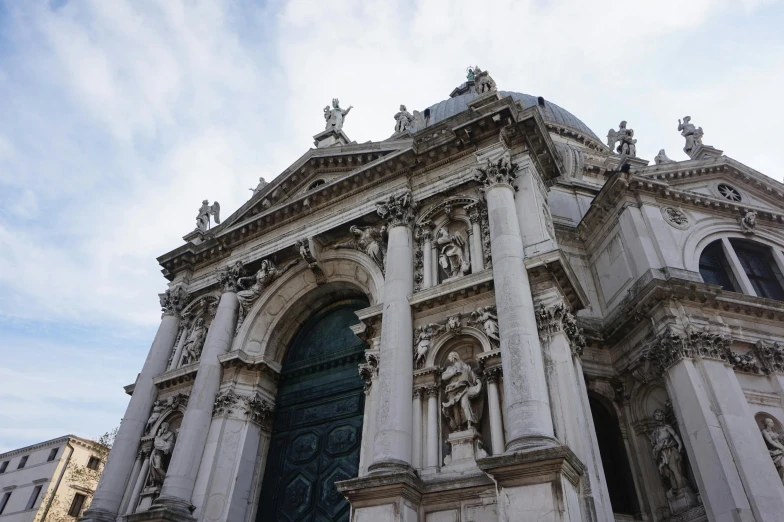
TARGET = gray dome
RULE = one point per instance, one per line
(551, 112)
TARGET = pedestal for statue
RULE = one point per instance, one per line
(681, 500)
(466, 448)
(536, 484)
(393, 497)
(329, 138)
(705, 151)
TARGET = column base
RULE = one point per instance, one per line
(537, 484)
(165, 509)
(98, 515)
(393, 496)
(531, 443)
(387, 467)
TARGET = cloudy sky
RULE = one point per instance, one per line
(118, 117)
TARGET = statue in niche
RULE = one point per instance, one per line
(667, 450)
(205, 211)
(692, 134)
(451, 256)
(775, 443)
(486, 318)
(403, 120)
(157, 409)
(335, 116)
(422, 341)
(191, 350)
(463, 406)
(254, 285)
(262, 183)
(163, 445)
(748, 222)
(370, 240)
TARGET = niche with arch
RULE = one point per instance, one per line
(468, 348)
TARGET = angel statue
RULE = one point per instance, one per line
(422, 340)
(463, 406)
(485, 317)
(335, 115)
(451, 256)
(370, 240)
(627, 147)
(256, 284)
(207, 210)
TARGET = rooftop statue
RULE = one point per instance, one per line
(207, 210)
(662, 158)
(627, 146)
(403, 120)
(692, 134)
(335, 115)
(262, 183)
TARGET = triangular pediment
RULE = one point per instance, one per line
(722, 178)
(316, 168)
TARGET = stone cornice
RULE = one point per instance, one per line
(556, 264)
(240, 359)
(85, 443)
(177, 376)
(470, 285)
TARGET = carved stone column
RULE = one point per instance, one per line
(432, 426)
(141, 476)
(417, 447)
(494, 410)
(108, 495)
(180, 479)
(175, 360)
(392, 445)
(475, 238)
(721, 437)
(563, 344)
(427, 255)
(526, 401)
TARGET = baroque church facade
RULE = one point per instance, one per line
(493, 315)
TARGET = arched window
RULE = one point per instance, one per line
(760, 267)
(741, 265)
(617, 472)
(714, 268)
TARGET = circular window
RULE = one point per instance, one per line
(728, 192)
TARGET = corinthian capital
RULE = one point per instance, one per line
(557, 318)
(500, 172)
(399, 211)
(229, 276)
(173, 300)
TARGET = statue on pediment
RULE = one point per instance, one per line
(463, 406)
(403, 120)
(335, 116)
(661, 158)
(262, 183)
(692, 134)
(627, 145)
(205, 211)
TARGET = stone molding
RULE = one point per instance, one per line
(557, 318)
(502, 172)
(670, 347)
(398, 211)
(535, 466)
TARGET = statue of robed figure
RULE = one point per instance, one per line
(463, 406)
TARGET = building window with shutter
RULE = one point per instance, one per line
(23, 462)
(33, 497)
(76, 505)
(4, 501)
(93, 463)
(52, 455)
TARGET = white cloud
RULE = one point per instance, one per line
(120, 117)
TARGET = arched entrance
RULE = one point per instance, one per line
(316, 436)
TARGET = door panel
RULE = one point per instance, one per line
(318, 425)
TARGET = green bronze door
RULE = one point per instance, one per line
(317, 431)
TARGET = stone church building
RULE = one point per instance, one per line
(492, 315)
